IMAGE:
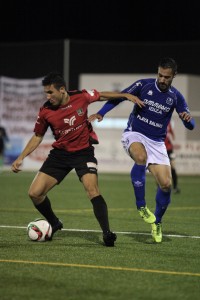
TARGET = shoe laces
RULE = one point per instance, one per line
(144, 210)
(159, 227)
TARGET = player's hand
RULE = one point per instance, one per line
(16, 165)
(94, 117)
(135, 100)
(185, 116)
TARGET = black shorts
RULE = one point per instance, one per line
(59, 163)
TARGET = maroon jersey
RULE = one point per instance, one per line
(68, 122)
(169, 136)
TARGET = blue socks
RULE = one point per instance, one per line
(162, 202)
(138, 176)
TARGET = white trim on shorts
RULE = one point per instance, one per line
(156, 151)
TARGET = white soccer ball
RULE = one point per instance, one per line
(39, 230)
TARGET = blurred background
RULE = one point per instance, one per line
(96, 44)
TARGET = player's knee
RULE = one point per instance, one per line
(140, 158)
(166, 185)
(92, 192)
(35, 197)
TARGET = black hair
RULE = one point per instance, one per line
(168, 63)
(54, 78)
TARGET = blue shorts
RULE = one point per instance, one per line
(59, 163)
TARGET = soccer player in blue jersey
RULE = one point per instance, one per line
(143, 138)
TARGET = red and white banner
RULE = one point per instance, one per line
(20, 100)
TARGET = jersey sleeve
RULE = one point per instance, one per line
(41, 125)
(183, 107)
(91, 95)
(181, 104)
(133, 89)
(109, 105)
(189, 125)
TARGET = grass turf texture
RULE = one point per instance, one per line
(75, 265)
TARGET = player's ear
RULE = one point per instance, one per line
(62, 89)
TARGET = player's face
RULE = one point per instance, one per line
(165, 78)
(56, 97)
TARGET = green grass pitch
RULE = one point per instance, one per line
(75, 265)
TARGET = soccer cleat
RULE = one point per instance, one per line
(56, 227)
(109, 238)
(156, 232)
(147, 215)
(176, 191)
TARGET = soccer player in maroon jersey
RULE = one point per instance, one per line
(170, 151)
(65, 112)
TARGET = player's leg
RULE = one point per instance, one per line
(162, 174)
(38, 190)
(138, 177)
(1, 162)
(52, 172)
(176, 189)
(1, 153)
(90, 183)
(85, 165)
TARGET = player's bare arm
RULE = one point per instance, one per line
(112, 95)
(30, 147)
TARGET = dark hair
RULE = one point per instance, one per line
(168, 63)
(54, 78)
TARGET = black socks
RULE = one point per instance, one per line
(45, 209)
(101, 212)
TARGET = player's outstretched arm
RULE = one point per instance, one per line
(114, 99)
(114, 95)
(29, 148)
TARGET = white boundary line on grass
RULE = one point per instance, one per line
(118, 232)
